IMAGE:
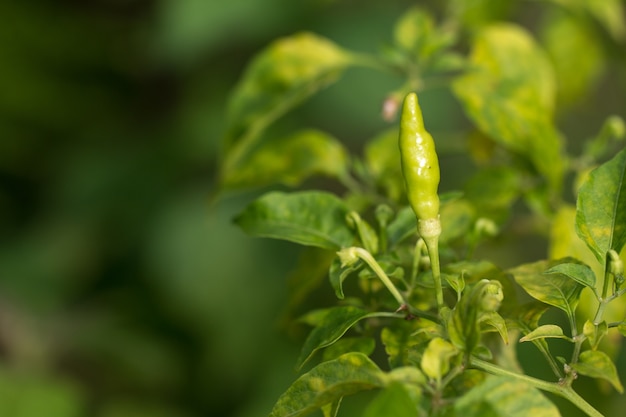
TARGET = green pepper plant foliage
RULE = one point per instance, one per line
(420, 323)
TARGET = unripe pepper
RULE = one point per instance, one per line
(420, 165)
(420, 168)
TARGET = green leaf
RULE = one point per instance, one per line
(403, 226)
(496, 321)
(601, 208)
(367, 234)
(381, 157)
(609, 13)
(413, 29)
(564, 37)
(279, 78)
(526, 319)
(457, 218)
(613, 129)
(289, 161)
(364, 345)
(456, 282)
(477, 302)
(545, 331)
(580, 273)
(392, 401)
(416, 34)
(332, 409)
(309, 272)
(504, 397)
(328, 382)
(557, 290)
(338, 273)
(334, 324)
(493, 190)
(509, 95)
(311, 218)
(597, 364)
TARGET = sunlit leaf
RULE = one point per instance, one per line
(289, 160)
(504, 397)
(578, 272)
(543, 332)
(312, 218)
(436, 358)
(279, 78)
(334, 324)
(601, 208)
(557, 290)
(597, 364)
(327, 382)
(509, 94)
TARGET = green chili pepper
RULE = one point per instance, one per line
(420, 165)
(420, 168)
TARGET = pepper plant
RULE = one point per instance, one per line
(421, 322)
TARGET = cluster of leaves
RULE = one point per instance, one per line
(438, 358)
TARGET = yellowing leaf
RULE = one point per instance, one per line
(279, 78)
(509, 94)
(597, 364)
(601, 208)
(436, 358)
(558, 290)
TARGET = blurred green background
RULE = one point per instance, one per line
(123, 291)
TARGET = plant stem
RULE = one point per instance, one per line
(564, 391)
(432, 244)
(430, 230)
(371, 262)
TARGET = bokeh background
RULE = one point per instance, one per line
(125, 290)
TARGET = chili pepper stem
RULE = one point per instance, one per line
(429, 230)
(371, 262)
